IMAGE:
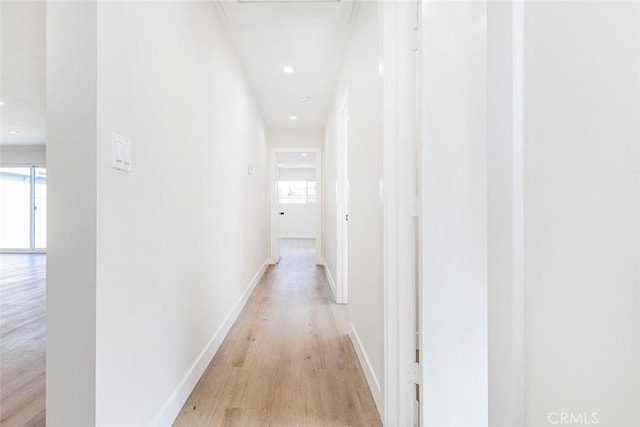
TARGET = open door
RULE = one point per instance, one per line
(276, 213)
(342, 285)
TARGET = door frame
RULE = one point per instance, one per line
(273, 206)
(401, 210)
(342, 198)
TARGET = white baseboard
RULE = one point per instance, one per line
(297, 236)
(332, 283)
(23, 251)
(174, 404)
(372, 379)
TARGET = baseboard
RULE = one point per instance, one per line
(332, 283)
(297, 236)
(23, 251)
(174, 404)
(372, 379)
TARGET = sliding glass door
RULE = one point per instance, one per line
(40, 208)
(23, 208)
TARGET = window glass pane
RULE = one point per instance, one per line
(15, 216)
(292, 192)
(41, 207)
(296, 192)
(311, 192)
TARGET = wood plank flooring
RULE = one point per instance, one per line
(22, 340)
(288, 360)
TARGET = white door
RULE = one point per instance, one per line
(453, 159)
(342, 286)
(276, 213)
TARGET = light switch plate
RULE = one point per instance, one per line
(120, 152)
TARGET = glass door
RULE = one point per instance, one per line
(15, 205)
(23, 208)
(40, 208)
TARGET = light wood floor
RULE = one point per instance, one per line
(288, 360)
(22, 340)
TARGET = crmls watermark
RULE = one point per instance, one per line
(573, 418)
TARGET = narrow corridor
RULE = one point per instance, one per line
(288, 360)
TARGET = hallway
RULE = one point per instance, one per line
(288, 360)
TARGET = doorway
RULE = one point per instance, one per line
(295, 212)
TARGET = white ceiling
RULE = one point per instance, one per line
(308, 35)
(296, 160)
(22, 72)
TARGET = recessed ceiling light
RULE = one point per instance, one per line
(304, 165)
(14, 132)
(2, 103)
(288, 70)
(293, 118)
(304, 154)
(306, 98)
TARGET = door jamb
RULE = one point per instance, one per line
(400, 177)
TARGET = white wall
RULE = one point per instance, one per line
(365, 196)
(295, 138)
(564, 234)
(454, 224)
(23, 72)
(177, 240)
(505, 296)
(581, 201)
(299, 221)
(32, 155)
(71, 214)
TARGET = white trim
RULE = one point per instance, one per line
(299, 236)
(518, 309)
(332, 283)
(23, 251)
(400, 170)
(392, 398)
(369, 373)
(170, 410)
